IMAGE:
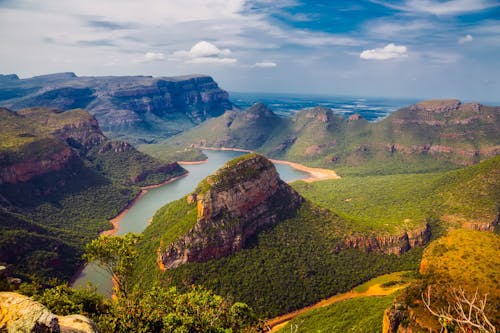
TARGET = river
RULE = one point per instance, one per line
(139, 215)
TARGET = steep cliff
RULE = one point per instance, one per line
(388, 244)
(61, 179)
(138, 108)
(19, 313)
(242, 197)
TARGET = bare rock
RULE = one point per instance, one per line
(21, 314)
(391, 244)
(77, 324)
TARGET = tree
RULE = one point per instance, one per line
(465, 313)
(117, 255)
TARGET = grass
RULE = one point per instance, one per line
(469, 258)
(392, 203)
(171, 154)
(362, 315)
(386, 280)
(463, 259)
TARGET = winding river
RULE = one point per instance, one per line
(139, 215)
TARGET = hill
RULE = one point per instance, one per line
(463, 260)
(61, 180)
(467, 197)
(248, 236)
(133, 108)
(426, 137)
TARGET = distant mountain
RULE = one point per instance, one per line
(133, 108)
(427, 136)
(61, 180)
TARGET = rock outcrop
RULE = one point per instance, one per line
(394, 244)
(24, 171)
(233, 204)
(19, 313)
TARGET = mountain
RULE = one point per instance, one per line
(133, 108)
(239, 199)
(428, 136)
(61, 180)
(248, 236)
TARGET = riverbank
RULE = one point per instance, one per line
(115, 221)
(192, 162)
(316, 173)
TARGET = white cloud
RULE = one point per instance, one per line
(450, 7)
(205, 53)
(265, 64)
(206, 49)
(390, 51)
(465, 39)
(153, 56)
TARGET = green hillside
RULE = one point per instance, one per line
(392, 203)
(360, 315)
(290, 265)
(61, 180)
(427, 137)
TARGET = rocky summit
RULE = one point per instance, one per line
(136, 108)
(232, 205)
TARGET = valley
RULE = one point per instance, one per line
(331, 203)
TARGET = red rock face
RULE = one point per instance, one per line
(23, 172)
(228, 217)
(396, 244)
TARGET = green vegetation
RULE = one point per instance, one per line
(393, 203)
(46, 221)
(231, 173)
(171, 154)
(141, 309)
(282, 269)
(361, 315)
(116, 255)
(386, 280)
(408, 141)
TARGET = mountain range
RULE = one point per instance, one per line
(428, 136)
(134, 108)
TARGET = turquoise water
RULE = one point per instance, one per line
(139, 215)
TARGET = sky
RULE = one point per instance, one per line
(405, 48)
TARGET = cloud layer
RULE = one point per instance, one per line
(449, 47)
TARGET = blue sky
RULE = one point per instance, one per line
(407, 48)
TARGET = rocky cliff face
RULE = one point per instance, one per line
(241, 198)
(19, 313)
(396, 244)
(123, 104)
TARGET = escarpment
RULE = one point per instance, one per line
(232, 205)
(390, 244)
(135, 108)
